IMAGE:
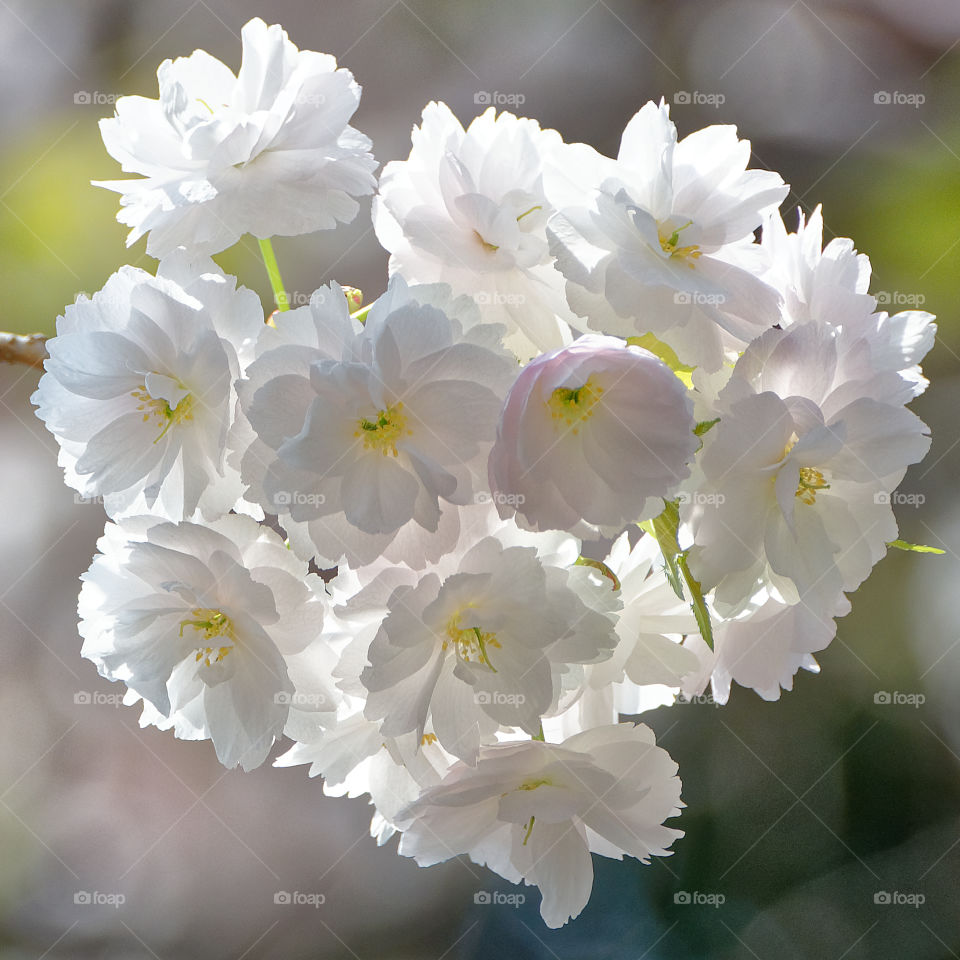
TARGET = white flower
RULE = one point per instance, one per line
(765, 648)
(139, 389)
(470, 207)
(826, 285)
(354, 758)
(217, 627)
(484, 640)
(267, 152)
(829, 286)
(590, 433)
(363, 430)
(535, 811)
(798, 473)
(649, 663)
(666, 245)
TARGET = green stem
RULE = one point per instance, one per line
(273, 272)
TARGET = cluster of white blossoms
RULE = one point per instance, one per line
(596, 447)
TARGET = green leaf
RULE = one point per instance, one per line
(664, 529)
(697, 603)
(704, 425)
(913, 547)
(659, 349)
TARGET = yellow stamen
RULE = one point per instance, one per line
(383, 432)
(212, 624)
(571, 407)
(428, 738)
(811, 481)
(161, 411)
(668, 243)
(470, 642)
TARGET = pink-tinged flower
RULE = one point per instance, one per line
(589, 433)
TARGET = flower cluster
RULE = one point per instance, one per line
(596, 447)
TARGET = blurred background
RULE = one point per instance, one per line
(824, 826)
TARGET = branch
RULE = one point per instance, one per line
(31, 349)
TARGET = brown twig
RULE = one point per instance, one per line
(30, 349)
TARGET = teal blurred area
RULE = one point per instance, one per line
(826, 825)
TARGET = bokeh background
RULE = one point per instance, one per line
(800, 813)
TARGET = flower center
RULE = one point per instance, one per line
(470, 643)
(670, 244)
(533, 784)
(572, 406)
(383, 432)
(811, 481)
(211, 624)
(161, 411)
